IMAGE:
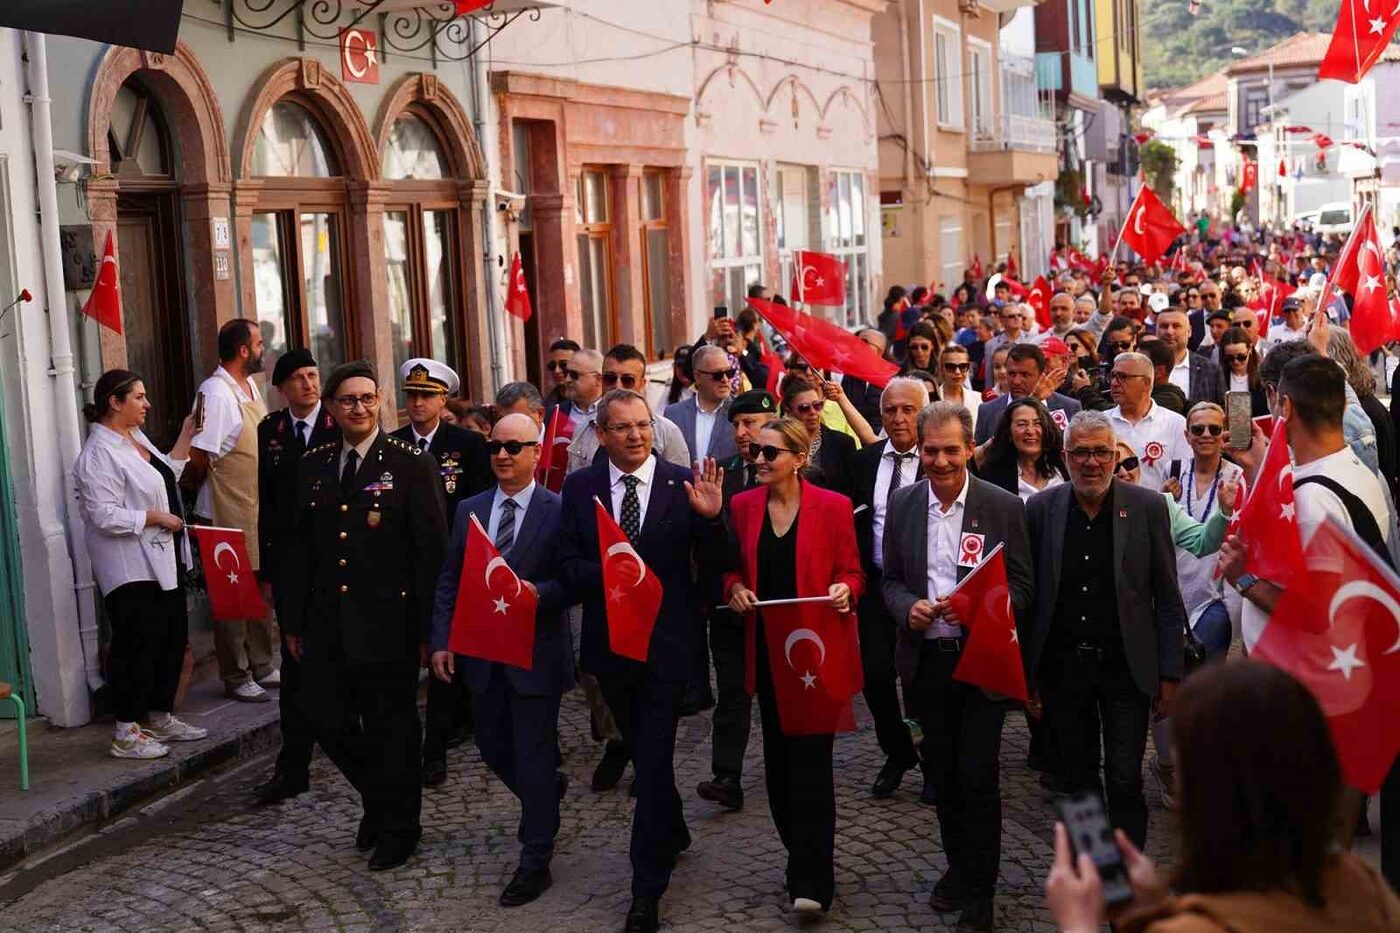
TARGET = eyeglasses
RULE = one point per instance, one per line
(511, 447)
(1084, 454)
(1117, 376)
(557, 365)
(808, 408)
(956, 367)
(767, 452)
(1197, 430)
(622, 430)
(351, 402)
(718, 375)
(1237, 357)
(575, 375)
(1247, 325)
(628, 380)
(1127, 465)
(1121, 346)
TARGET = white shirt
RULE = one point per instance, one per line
(908, 475)
(223, 424)
(704, 428)
(427, 439)
(309, 421)
(1181, 374)
(619, 488)
(1157, 439)
(116, 486)
(362, 448)
(582, 415)
(971, 400)
(1239, 383)
(522, 503)
(1196, 575)
(1025, 490)
(944, 529)
(1282, 333)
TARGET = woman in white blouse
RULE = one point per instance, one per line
(1023, 456)
(137, 541)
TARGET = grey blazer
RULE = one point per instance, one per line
(989, 413)
(1151, 614)
(1205, 380)
(989, 511)
(722, 447)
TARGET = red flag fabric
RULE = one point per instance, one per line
(1057, 262)
(1282, 169)
(1150, 227)
(1039, 299)
(517, 293)
(1079, 261)
(228, 574)
(976, 268)
(554, 459)
(494, 618)
(991, 659)
(824, 345)
(1322, 140)
(1337, 635)
(1360, 270)
(1011, 268)
(818, 278)
(1019, 291)
(470, 6)
(814, 658)
(1294, 128)
(104, 305)
(1267, 524)
(632, 592)
(1249, 179)
(1358, 40)
(773, 361)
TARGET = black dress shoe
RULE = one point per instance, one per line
(561, 781)
(889, 778)
(723, 790)
(644, 916)
(947, 896)
(367, 836)
(978, 915)
(279, 787)
(393, 851)
(609, 770)
(434, 773)
(525, 887)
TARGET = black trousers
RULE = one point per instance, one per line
(644, 706)
(797, 770)
(366, 719)
(1390, 826)
(149, 631)
(962, 748)
(449, 708)
(519, 740)
(298, 732)
(877, 649)
(1089, 694)
(733, 715)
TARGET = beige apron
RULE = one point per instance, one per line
(233, 479)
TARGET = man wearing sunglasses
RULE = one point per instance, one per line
(864, 396)
(584, 386)
(624, 367)
(1157, 434)
(561, 352)
(703, 418)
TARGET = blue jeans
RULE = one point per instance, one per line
(1213, 630)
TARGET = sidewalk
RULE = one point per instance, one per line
(74, 783)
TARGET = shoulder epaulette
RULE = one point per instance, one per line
(403, 445)
(330, 445)
(270, 415)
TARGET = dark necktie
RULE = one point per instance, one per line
(750, 475)
(347, 475)
(301, 433)
(505, 529)
(422, 443)
(897, 477)
(631, 509)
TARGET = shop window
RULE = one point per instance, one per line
(847, 225)
(734, 221)
(593, 225)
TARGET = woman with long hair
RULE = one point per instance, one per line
(1023, 456)
(921, 348)
(1239, 370)
(831, 453)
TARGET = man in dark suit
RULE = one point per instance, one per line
(1191, 372)
(879, 471)
(517, 721)
(703, 418)
(361, 572)
(672, 520)
(464, 470)
(1025, 375)
(935, 534)
(1107, 644)
(284, 437)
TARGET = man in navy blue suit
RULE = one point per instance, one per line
(517, 711)
(671, 517)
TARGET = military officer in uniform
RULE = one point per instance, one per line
(284, 437)
(369, 535)
(465, 470)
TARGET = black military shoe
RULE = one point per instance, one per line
(525, 887)
(723, 790)
(279, 787)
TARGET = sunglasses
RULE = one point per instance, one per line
(511, 447)
(1121, 345)
(807, 408)
(557, 365)
(1198, 430)
(767, 452)
(957, 367)
(1236, 357)
(575, 374)
(718, 375)
(628, 380)
(1127, 465)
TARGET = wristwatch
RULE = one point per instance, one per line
(1245, 581)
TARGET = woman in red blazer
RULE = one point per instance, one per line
(794, 539)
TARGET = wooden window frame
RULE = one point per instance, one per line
(602, 231)
(660, 222)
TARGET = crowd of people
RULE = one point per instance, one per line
(1090, 446)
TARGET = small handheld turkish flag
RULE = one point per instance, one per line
(104, 305)
(517, 294)
(1039, 299)
(631, 592)
(991, 659)
(824, 345)
(554, 458)
(1360, 270)
(814, 660)
(1268, 525)
(818, 278)
(1358, 40)
(494, 618)
(228, 574)
(1150, 227)
(1338, 635)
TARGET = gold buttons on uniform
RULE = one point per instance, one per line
(344, 588)
(344, 508)
(343, 536)
(342, 562)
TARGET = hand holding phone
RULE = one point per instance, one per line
(1089, 832)
(1238, 424)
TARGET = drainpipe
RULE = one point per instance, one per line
(60, 346)
(495, 317)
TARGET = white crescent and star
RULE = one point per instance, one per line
(1364, 589)
(494, 564)
(809, 680)
(1137, 223)
(623, 547)
(366, 48)
(219, 549)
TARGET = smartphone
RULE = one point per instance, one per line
(1086, 821)
(198, 412)
(721, 311)
(1237, 419)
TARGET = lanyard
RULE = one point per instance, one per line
(1210, 496)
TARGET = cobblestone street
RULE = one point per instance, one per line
(206, 859)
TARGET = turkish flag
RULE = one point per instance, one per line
(517, 295)
(1282, 169)
(1360, 270)
(1079, 261)
(1358, 40)
(554, 459)
(976, 266)
(104, 305)
(774, 363)
(1250, 178)
(1322, 140)
(228, 574)
(818, 278)
(1019, 291)
(1011, 268)
(632, 591)
(1338, 635)
(1150, 227)
(814, 660)
(1039, 299)
(991, 659)
(824, 345)
(1267, 524)
(494, 618)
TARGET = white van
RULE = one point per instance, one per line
(1336, 217)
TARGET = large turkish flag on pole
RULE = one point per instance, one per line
(228, 574)
(1150, 227)
(1358, 39)
(1360, 270)
(814, 660)
(494, 618)
(824, 345)
(991, 659)
(632, 593)
(554, 458)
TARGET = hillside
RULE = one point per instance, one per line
(1180, 47)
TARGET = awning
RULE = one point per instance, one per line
(140, 24)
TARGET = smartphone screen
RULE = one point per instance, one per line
(721, 311)
(1237, 419)
(1086, 821)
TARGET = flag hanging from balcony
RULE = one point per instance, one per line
(104, 305)
(517, 293)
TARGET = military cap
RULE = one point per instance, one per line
(752, 402)
(290, 362)
(424, 375)
(351, 370)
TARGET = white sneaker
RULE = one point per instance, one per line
(249, 692)
(807, 906)
(272, 680)
(166, 728)
(134, 742)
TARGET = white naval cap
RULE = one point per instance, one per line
(424, 375)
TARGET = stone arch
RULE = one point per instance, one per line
(845, 99)
(796, 86)
(451, 118)
(330, 102)
(731, 71)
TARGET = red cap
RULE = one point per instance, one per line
(1054, 346)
